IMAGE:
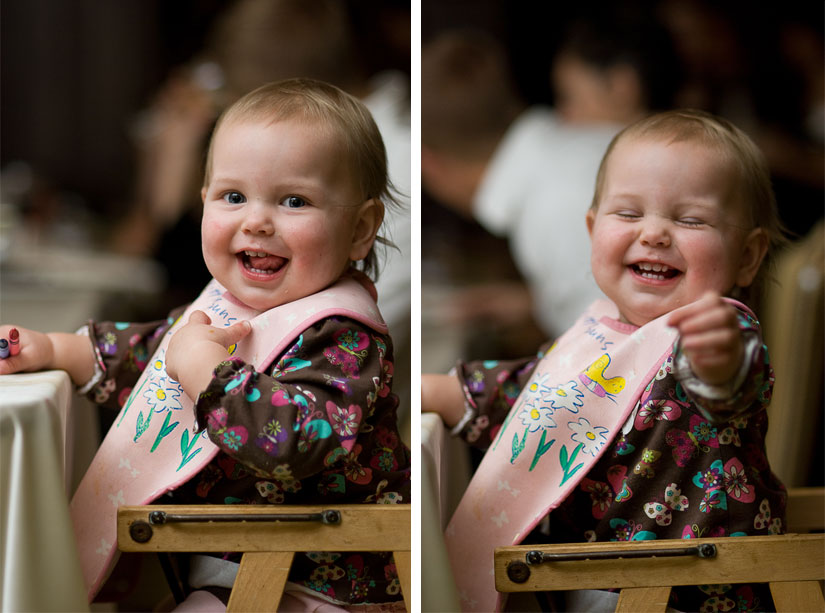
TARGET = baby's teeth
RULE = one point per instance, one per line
(654, 267)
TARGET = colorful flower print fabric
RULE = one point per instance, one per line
(318, 425)
(672, 472)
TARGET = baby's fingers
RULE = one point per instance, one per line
(717, 317)
(199, 317)
(714, 355)
(11, 365)
(236, 332)
(32, 350)
(25, 361)
(713, 367)
(711, 341)
(709, 301)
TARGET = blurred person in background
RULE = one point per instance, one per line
(487, 155)
(525, 171)
(613, 67)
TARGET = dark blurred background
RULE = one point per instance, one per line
(75, 74)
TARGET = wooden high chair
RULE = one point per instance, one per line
(269, 538)
(792, 564)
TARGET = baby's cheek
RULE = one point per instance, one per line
(215, 234)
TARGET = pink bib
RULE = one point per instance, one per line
(578, 398)
(154, 445)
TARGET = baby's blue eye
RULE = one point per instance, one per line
(294, 202)
(234, 197)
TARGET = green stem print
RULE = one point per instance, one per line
(165, 431)
(505, 424)
(141, 426)
(541, 449)
(186, 447)
(129, 402)
(518, 446)
(567, 462)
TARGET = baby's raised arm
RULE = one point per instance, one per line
(46, 351)
(710, 338)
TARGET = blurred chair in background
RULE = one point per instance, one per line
(794, 333)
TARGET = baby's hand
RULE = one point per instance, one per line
(710, 338)
(197, 347)
(36, 353)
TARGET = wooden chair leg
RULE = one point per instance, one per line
(643, 600)
(798, 596)
(403, 566)
(260, 581)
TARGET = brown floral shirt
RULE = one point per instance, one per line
(317, 425)
(683, 466)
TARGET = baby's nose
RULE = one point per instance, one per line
(655, 233)
(258, 219)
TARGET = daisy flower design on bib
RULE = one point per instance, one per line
(537, 417)
(565, 396)
(590, 437)
(162, 393)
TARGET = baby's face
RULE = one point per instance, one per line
(669, 227)
(280, 213)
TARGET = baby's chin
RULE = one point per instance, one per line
(640, 316)
(261, 300)
(258, 299)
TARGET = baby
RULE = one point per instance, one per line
(274, 386)
(647, 418)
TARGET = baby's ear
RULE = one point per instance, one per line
(368, 219)
(753, 252)
(590, 219)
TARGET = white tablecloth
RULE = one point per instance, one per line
(445, 472)
(39, 568)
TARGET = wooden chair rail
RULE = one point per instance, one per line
(269, 546)
(793, 564)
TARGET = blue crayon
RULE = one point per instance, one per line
(4, 348)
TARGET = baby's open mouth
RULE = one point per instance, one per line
(261, 262)
(654, 270)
